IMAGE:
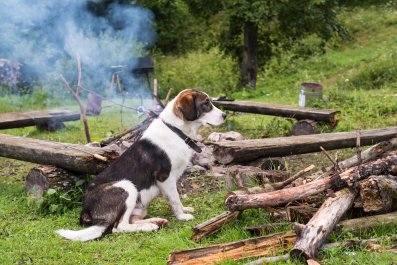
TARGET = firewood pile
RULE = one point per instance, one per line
(312, 204)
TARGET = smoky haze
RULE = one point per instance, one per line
(48, 35)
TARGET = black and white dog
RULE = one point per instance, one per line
(117, 199)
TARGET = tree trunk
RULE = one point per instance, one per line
(248, 150)
(254, 247)
(249, 64)
(316, 231)
(368, 223)
(379, 194)
(73, 157)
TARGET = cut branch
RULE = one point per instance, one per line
(68, 156)
(316, 231)
(267, 245)
(212, 225)
(82, 109)
(246, 150)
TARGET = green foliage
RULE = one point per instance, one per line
(208, 71)
(58, 201)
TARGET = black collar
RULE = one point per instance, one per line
(189, 141)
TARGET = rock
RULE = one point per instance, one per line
(228, 136)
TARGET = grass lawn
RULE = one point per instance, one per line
(357, 81)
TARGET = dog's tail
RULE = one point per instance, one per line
(90, 233)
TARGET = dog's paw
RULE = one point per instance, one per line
(161, 222)
(148, 227)
(185, 217)
(188, 209)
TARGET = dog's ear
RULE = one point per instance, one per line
(186, 107)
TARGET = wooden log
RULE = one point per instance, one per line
(44, 177)
(387, 165)
(41, 118)
(368, 223)
(305, 127)
(378, 194)
(325, 115)
(265, 229)
(73, 157)
(212, 225)
(254, 247)
(368, 155)
(278, 197)
(316, 231)
(301, 213)
(243, 176)
(246, 150)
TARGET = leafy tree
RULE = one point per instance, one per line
(252, 27)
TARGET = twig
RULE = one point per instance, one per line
(82, 109)
(167, 98)
(97, 156)
(269, 259)
(78, 76)
(358, 147)
(330, 158)
(280, 185)
(111, 84)
(116, 137)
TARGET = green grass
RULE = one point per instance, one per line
(366, 101)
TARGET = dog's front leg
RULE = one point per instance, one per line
(170, 192)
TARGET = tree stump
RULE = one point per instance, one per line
(305, 127)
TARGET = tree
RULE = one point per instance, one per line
(252, 27)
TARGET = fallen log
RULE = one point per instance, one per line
(316, 231)
(41, 118)
(368, 223)
(342, 244)
(368, 155)
(324, 115)
(301, 213)
(254, 247)
(378, 194)
(387, 165)
(44, 177)
(212, 225)
(265, 229)
(243, 176)
(73, 157)
(247, 150)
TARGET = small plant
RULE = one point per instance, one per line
(57, 201)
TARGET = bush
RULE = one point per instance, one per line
(208, 71)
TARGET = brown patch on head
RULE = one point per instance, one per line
(190, 104)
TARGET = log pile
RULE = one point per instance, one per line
(367, 180)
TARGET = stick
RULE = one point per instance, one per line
(111, 84)
(78, 76)
(358, 145)
(82, 109)
(330, 158)
(167, 98)
(282, 184)
(212, 225)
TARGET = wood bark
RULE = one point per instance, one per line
(254, 247)
(73, 157)
(44, 177)
(378, 194)
(387, 165)
(212, 225)
(368, 155)
(324, 115)
(305, 127)
(278, 197)
(265, 229)
(246, 150)
(242, 176)
(368, 223)
(249, 64)
(301, 213)
(41, 118)
(316, 231)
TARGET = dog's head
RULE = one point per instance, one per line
(195, 106)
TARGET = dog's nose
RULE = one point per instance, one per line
(224, 115)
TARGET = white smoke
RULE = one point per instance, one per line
(48, 35)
